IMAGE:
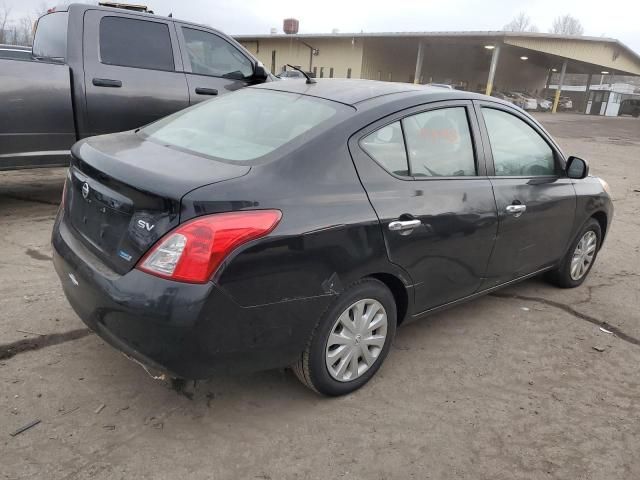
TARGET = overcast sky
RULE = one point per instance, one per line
(621, 21)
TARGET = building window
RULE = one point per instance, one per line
(321, 72)
(331, 72)
(348, 73)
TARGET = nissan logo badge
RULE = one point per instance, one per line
(85, 190)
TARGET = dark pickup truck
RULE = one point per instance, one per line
(96, 70)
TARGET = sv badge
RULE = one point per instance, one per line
(146, 225)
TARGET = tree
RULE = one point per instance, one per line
(520, 23)
(566, 25)
(4, 19)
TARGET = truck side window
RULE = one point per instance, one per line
(211, 55)
(51, 36)
(135, 43)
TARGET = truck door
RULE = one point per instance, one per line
(133, 71)
(212, 63)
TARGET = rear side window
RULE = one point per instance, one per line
(51, 36)
(439, 143)
(386, 146)
(518, 150)
(212, 55)
(135, 43)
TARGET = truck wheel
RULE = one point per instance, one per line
(350, 341)
(577, 263)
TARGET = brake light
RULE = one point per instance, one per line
(194, 251)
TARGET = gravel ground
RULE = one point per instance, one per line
(506, 387)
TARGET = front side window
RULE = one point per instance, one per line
(439, 143)
(243, 125)
(211, 55)
(135, 43)
(518, 150)
(386, 146)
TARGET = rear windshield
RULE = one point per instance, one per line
(243, 125)
(51, 36)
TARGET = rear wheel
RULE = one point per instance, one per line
(577, 264)
(351, 340)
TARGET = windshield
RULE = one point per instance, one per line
(243, 125)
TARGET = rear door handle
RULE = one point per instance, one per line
(106, 82)
(402, 225)
(206, 91)
(516, 210)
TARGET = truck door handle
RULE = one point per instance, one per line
(403, 225)
(206, 91)
(106, 82)
(516, 210)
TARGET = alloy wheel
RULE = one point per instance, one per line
(583, 255)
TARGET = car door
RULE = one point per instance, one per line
(133, 71)
(536, 202)
(213, 64)
(425, 176)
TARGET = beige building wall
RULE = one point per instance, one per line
(341, 54)
(597, 53)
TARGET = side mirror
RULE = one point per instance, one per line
(260, 73)
(577, 168)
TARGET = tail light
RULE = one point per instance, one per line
(194, 251)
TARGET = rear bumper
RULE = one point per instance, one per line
(184, 330)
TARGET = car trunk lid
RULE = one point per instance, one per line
(124, 193)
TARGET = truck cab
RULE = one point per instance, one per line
(96, 70)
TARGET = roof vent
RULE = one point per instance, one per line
(291, 26)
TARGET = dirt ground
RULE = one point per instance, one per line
(506, 387)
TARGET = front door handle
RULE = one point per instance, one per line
(106, 82)
(206, 91)
(516, 210)
(403, 225)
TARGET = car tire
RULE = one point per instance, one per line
(314, 367)
(566, 275)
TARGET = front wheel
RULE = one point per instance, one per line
(350, 341)
(580, 258)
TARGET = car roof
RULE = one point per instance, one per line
(355, 91)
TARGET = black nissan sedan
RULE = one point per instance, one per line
(297, 224)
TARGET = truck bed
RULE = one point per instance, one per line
(37, 123)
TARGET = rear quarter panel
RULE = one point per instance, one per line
(328, 238)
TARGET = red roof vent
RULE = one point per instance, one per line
(290, 26)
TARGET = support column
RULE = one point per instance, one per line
(586, 93)
(546, 85)
(492, 69)
(556, 99)
(418, 74)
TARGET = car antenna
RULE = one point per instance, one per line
(309, 79)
